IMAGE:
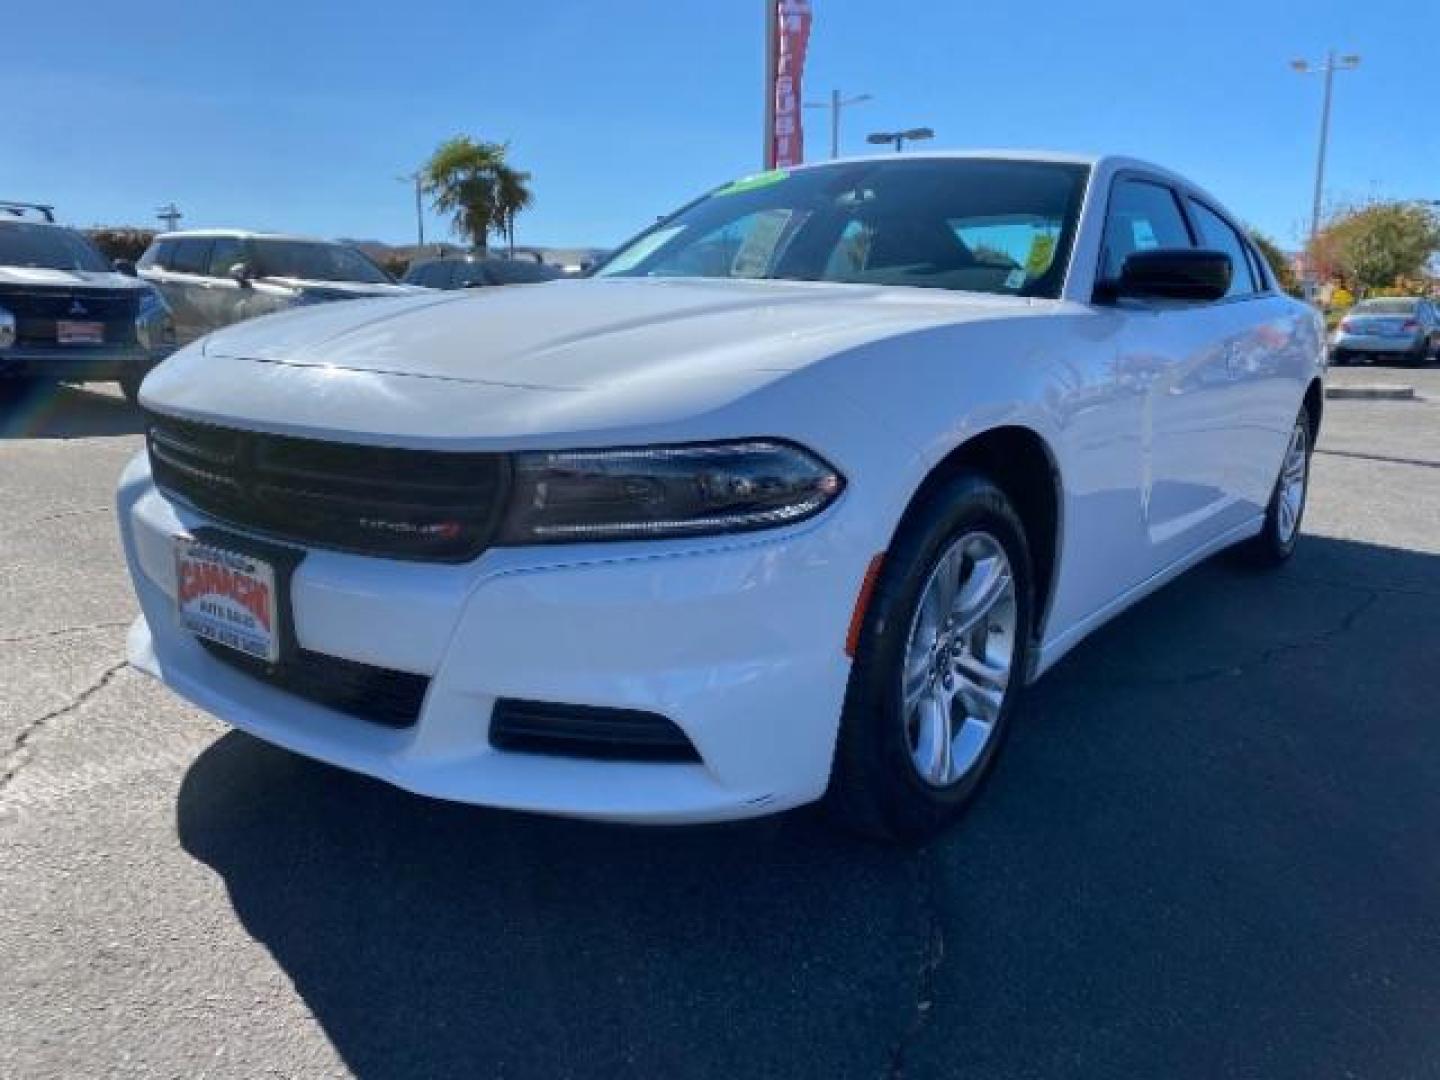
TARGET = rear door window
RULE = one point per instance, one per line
(226, 252)
(192, 254)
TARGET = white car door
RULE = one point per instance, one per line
(1181, 355)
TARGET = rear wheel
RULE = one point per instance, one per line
(940, 661)
(1276, 541)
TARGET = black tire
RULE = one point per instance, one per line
(130, 386)
(1272, 546)
(875, 787)
(1339, 358)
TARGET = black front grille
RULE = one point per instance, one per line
(379, 695)
(587, 731)
(37, 312)
(403, 504)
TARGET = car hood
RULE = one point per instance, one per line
(568, 335)
(557, 359)
(45, 277)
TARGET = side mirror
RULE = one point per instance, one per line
(126, 267)
(240, 273)
(1171, 274)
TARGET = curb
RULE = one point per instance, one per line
(1377, 392)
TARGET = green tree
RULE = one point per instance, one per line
(473, 183)
(1280, 264)
(1378, 245)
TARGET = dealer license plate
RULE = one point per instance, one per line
(68, 332)
(228, 598)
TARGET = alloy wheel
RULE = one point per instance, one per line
(958, 659)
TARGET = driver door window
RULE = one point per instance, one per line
(1142, 216)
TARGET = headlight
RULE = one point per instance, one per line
(651, 492)
(7, 328)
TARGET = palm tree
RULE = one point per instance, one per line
(472, 182)
(512, 195)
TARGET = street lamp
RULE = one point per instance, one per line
(1331, 65)
(170, 214)
(416, 178)
(835, 105)
(899, 138)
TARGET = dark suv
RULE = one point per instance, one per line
(66, 314)
(478, 272)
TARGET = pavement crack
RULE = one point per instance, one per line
(19, 752)
(1265, 656)
(1384, 459)
(931, 957)
(44, 635)
(61, 514)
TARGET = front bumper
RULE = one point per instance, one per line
(740, 642)
(79, 364)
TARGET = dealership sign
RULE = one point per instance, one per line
(790, 35)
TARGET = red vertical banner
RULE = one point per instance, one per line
(791, 27)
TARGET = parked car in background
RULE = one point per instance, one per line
(1387, 329)
(793, 496)
(216, 277)
(477, 271)
(66, 314)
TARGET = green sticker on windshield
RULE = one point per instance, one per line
(758, 180)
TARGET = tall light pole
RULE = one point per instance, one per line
(170, 214)
(899, 138)
(416, 178)
(835, 105)
(1331, 65)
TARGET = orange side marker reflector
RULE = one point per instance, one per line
(862, 603)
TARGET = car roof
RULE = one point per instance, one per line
(239, 234)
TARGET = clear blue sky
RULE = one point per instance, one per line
(298, 116)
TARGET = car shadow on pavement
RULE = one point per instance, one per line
(1208, 851)
(49, 411)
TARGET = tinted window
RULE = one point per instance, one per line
(47, 246)
(313, 260)
(1142, 216)
(980, 225)
(515, 272)
(1259, 267)
(228, 251)
(191, 255)
(1216, 234)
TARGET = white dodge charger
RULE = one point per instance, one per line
(791, 497)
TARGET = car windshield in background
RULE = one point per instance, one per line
(315, 262)
(973, 224)
(1385, 307)
(24, 244)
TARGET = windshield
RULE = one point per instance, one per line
(314, 261)
(980, 225)
(26, 244)
(1385, 307)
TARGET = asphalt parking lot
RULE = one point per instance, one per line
(1210, 850)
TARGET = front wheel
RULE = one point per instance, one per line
(1277, 539)
(940, 661)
